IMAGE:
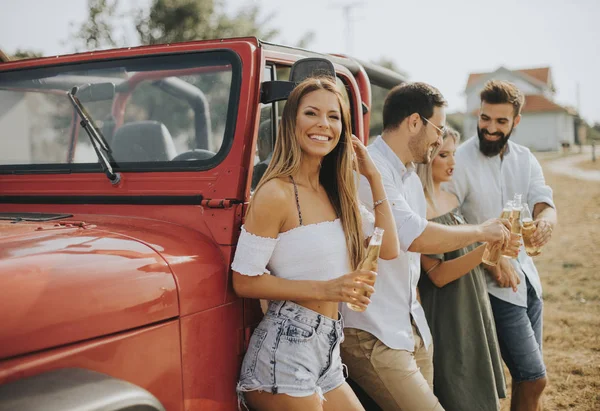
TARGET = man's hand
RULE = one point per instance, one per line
(495, 230)
(513, 246)
(504, 274)
(542, 233)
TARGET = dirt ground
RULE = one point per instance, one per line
(569, 268)
(590, 165)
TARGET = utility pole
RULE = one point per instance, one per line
(349, 26)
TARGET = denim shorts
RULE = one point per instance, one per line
(294, 351)
(519, 332)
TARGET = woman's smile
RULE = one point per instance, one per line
(319, 137)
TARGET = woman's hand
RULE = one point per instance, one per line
(351, 288)
(504, 274)
(508, 275)
(366, 166)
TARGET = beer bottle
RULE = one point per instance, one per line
(515, 215)
(527, 230)
(493, 251)
(370, 260)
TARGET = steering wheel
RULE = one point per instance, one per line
(192, 155)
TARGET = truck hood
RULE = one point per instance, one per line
(68, 281)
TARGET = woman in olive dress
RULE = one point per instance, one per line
(468, 374)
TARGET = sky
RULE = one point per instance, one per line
(436, 41)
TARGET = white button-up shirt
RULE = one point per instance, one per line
(388, 317)
(484, 184)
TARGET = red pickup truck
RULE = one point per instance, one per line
(124, 176)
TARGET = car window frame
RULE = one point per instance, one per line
(174, 61)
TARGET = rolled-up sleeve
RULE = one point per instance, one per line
(408, 223)
(539, 191)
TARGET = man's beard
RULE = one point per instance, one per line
(492, 148)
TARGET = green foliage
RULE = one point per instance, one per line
(97, 31)
(169, 21)
(593, 132)
(25, 54)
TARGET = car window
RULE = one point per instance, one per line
(162, 111)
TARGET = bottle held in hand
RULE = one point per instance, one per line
(493, 251)
(527, 231)
(370, 260)
(515, 216)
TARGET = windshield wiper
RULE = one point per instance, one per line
(97, 139)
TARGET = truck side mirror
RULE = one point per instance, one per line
(308, 67)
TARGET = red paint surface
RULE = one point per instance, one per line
(141, 293)
(149, 358)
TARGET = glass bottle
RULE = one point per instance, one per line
(515, 215)
(493, 251)
(528, 229)
(370, 261)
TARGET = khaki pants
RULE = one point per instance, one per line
(395, 379)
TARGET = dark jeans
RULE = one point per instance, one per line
(519, 332)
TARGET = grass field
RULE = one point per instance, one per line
(569, 268)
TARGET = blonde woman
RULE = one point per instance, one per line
(302, 240)
(468, 373)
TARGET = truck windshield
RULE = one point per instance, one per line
(156, 113)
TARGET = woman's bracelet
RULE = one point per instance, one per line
(378, 202)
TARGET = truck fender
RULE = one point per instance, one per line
(75, 389)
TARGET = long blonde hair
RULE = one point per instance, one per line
(424, 171)
(337, 167)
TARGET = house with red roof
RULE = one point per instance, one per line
(545, 124)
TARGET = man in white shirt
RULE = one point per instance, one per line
(388, 347)
(489, 170)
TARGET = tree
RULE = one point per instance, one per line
(168, 21)
(97, 31)
(25, 54)
(593, 132)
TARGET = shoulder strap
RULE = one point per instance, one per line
(297, 200)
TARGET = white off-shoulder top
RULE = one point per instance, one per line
(307, 252)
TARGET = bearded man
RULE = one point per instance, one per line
(489, 170)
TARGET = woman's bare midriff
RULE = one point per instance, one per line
(328, 309)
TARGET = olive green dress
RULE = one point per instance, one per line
(468, 373)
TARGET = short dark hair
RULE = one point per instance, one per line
(503, 92)
(409, 98)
